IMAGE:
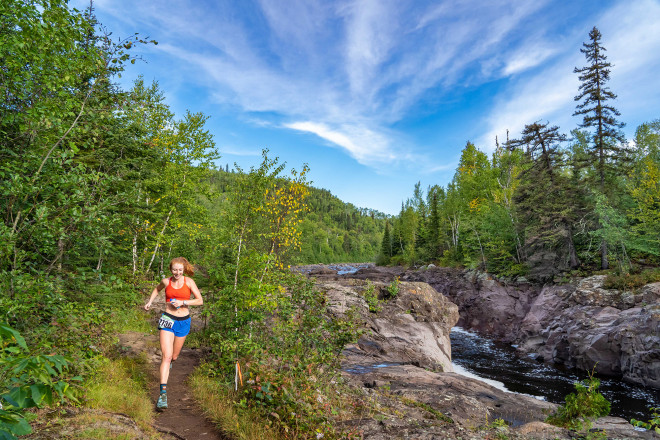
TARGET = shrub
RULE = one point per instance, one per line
(393, 288)
(289, 360)
(27, 381)
(631, 281)
(371, 297)
(580, 408)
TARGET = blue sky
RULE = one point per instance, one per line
(377, 95)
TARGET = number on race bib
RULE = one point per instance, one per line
(165, 322)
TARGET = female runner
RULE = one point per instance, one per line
(174, 323)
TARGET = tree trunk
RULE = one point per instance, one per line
(135, 254)
(574, 261)
(99, 265)
(238, 256)
(162, 232)
(483, 258)
(604, 264)
(263, 274)
(57, 262)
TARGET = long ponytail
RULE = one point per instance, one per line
(188, 268)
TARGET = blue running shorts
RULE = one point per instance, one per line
(179, 325)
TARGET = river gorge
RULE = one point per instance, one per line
(414, 349)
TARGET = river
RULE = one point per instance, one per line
(501, 365)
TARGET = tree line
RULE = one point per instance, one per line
(544, 203)
(101, 185)
(332, 231)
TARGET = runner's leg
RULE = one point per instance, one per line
(166, 347)
(178, 345)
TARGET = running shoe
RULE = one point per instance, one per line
(162, 401)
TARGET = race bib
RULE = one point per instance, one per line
(165, 322)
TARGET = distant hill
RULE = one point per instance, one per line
(333, 231)
(336, 231)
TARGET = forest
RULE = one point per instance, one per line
(545, 204)
(101, 185)
(332, 231)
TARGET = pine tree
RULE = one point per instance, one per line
(606, 151)
(596, 112)
(541, 199)
(386, 246)
(434, 225)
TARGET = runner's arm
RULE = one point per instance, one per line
(198, 301)
(154, 294)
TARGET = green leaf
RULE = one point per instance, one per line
(9, 400)
(7, 331)
(19, 397)
(38, 392)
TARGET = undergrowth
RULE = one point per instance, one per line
(582, 407)
(109, 390)
(291, 383)
(630, 280)
(371, 297)
(218, 401)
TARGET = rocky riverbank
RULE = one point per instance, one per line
(402, 362)
(577, 325)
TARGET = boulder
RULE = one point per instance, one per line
(414, 327)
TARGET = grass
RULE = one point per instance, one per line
(101, 427)
(133, 319)
(120, 386)
(218, 403)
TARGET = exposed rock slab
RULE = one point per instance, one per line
(412, 328)
(402, 364)
(579, 326)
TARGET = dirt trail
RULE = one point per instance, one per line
(183, 416)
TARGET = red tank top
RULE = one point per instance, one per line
(180, 294)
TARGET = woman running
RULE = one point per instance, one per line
(174, 323)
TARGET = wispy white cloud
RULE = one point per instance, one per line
(347, 71)
(528, 57)
(632, 39)
(363, 144)
(546, 96)
(236, 151)
(356, 67)
(370, 27)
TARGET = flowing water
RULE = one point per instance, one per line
(347, 269)
(502, 366)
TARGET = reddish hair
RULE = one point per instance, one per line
(188, 268)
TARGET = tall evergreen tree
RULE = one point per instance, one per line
(541, 199)
(594, 108)
(594, 97)
(386, 246)
(434, 224)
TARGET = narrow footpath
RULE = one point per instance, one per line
(183, 417)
